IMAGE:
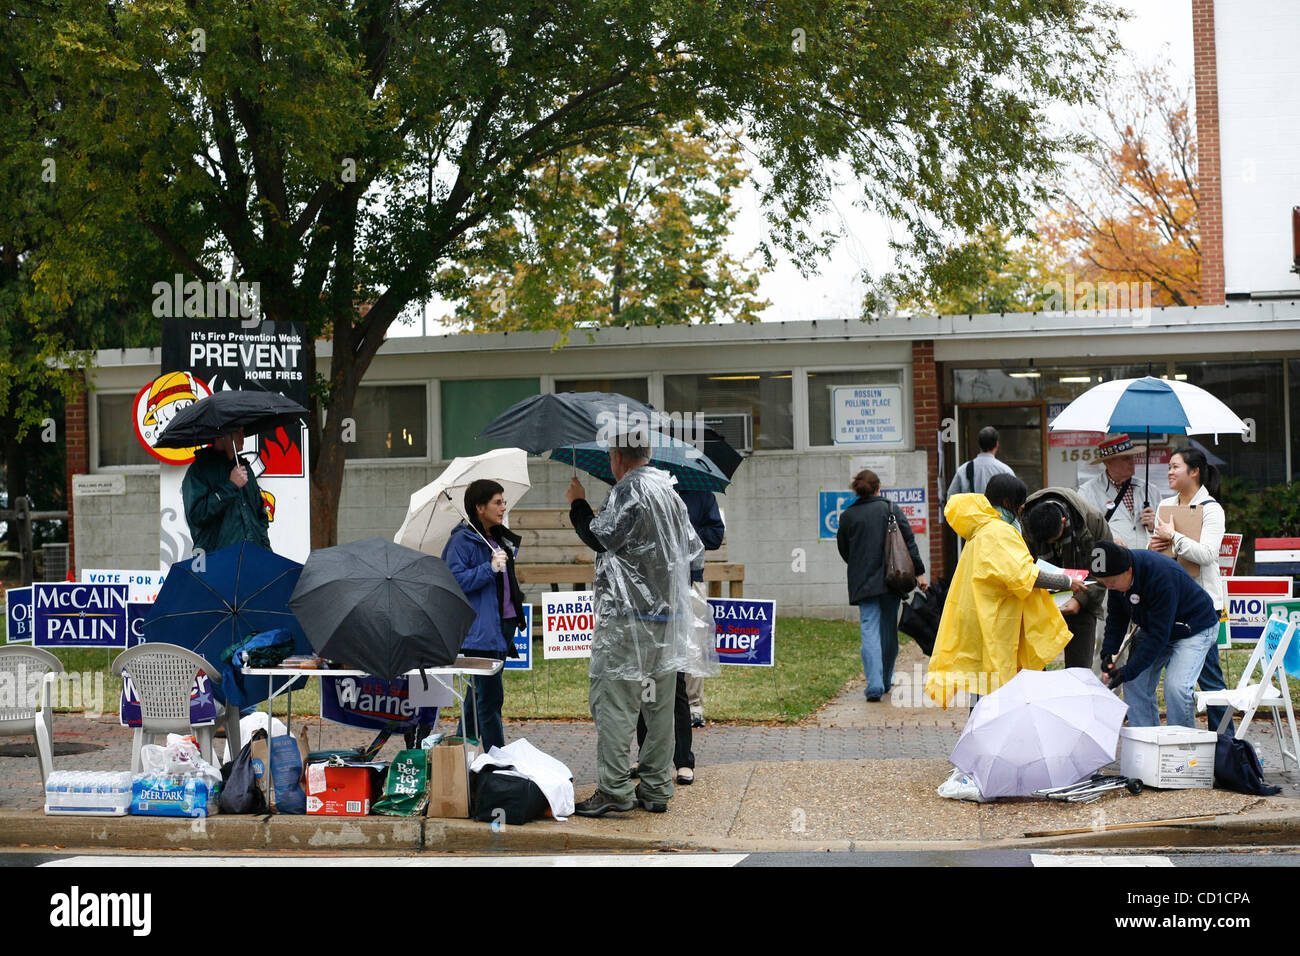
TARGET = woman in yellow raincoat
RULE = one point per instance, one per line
(999, 617)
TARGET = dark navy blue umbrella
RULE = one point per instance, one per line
(239, 590)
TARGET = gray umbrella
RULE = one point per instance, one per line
(381, 608)
(542, 422)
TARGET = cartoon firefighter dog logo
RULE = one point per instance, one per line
(158, 403)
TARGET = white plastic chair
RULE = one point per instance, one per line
(163, 675)
(1248, 697)
(31, 710)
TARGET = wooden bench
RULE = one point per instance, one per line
(552, 553)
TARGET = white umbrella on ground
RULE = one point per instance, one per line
(1040, 729)
(439, 506)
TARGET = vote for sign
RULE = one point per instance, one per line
(80, 615)
(746, 631)
(568, 622)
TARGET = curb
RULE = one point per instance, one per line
(32, 828)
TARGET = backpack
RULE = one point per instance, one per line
(1237, 768)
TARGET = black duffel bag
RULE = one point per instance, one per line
(519, 798)
(1237, 768)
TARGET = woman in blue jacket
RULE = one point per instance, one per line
(481, 556)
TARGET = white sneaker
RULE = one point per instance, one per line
(685, 776)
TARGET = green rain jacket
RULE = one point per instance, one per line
(219, 514)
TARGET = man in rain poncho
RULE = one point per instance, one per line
(646, 629)
(997, 619)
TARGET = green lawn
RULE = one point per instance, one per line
(814, 659)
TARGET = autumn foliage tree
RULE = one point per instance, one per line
(633, 235)
(1131, 217)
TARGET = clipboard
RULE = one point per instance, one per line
(1187, 520)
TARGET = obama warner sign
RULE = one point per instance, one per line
(746, 631)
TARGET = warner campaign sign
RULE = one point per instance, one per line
(80, 615)
(746, 631)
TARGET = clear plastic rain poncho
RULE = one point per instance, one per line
(648, 619)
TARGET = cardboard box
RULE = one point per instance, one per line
(449, 779)
(342, 791)
(1168, 758)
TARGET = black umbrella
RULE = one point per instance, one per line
(222, 412)
(542, 422)
(381, 608)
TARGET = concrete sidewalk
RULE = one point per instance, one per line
(855, 775)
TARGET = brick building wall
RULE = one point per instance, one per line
(927, 405)
(1209, 165)
(76, 437)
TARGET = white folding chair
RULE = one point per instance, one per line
(1248, 697)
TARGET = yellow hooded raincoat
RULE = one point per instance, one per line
(995, 622)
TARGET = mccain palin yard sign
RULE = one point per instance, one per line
(225, 354)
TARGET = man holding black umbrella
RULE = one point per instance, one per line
(223, 503)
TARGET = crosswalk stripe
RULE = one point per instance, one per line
(1090, 859)
(658, 860)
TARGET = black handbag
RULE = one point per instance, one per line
(900, 573)
(505, 798)
(921, 615)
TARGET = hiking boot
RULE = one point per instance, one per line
(601, 803)
(654, 806)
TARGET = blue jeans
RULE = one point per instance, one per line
(1182, 662)
(878, 618)
(1212, 679)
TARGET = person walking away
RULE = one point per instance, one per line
(1177, 623)
(1122, 496)
(645, 629)
(1062, 529)
(481, 556)
(998, 618)
(223, 504)
(861, 542)
(973, 476)
(1197, 483)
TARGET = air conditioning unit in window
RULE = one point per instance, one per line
(736, 427)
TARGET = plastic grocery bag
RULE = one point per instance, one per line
(960, 786)
(406, 788)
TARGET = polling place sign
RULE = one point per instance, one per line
(523, 643)
(867, 414)
(910, 501)
(568, 623)
(746, 631)
(18, 615)
(80, 615)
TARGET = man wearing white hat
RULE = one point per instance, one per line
(1120, 495)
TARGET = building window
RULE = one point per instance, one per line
(392, 422)
(634, 388)
(752, 410)
(468, 407)
(1254, 391)
(118, 445)
(834, 416)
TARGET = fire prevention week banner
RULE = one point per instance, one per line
(218, 354)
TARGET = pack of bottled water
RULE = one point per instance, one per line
(173, 795)
(104, 793)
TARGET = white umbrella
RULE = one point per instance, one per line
(439, 506)
(1040, 729)
(1153, 404)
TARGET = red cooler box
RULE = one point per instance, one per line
(348, 791)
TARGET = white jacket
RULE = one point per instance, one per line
(1204, 552)
(1126, 527)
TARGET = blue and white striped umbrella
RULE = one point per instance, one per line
(1152, 405)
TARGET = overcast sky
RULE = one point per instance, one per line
(1156, 28)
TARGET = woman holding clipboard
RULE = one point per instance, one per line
(1197, 484)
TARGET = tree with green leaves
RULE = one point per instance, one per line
(634, 236)
(346, 153)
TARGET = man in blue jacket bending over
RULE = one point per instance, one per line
(1178, 625)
